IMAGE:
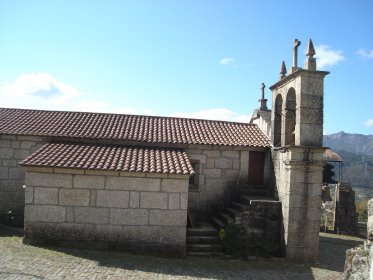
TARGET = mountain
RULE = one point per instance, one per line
(354, 143)
(356, 151)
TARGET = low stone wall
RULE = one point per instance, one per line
(14, 149)
(140, 212)
(220, 172)
(359, 260)
(256, 232)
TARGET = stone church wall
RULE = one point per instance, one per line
(298, 173)
(221, 171)
(140, 212)
(14, 149)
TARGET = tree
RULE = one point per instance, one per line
(328, 174)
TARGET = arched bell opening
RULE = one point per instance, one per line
(290, 117)
(277, 122)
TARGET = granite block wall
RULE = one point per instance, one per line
(13, 149)
(221, 171)
(137, 211)
(298, 181)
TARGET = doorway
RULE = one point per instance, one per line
(256, 168)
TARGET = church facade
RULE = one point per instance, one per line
(140, 181)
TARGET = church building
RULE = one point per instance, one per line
(148, 183)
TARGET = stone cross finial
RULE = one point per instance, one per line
(263, 101)
(295, 55)
(310, 63)
(263, 87)
(283, 70)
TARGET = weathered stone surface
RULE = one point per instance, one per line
(174, 201)
(21, 154)
(16, 173)
(89, 182)
(4, 173)
(153, 200)
(93, 197)
(173, 234)
(210, 163)
(48, 180)
(230, 154)
(184, 201)
(112, 199)
(212, 153)
(91, 215)
(45, 196)
(175, 185)
(236, 164)
(134, 199)
(26, 145)
(108, 233)
(74, 197)
(370, 221)
(168, 217)
(39, 169)
(212, 173)
(129, 216)
(67, 171)
(6, 153)
(75, 232)
(200, 158)
(141, 234)
(45, 213)
(69, 214)
(7, 137)
(133, 184)
(5, 143)
(29, 195)
(223, 163)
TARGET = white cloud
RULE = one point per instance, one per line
(226, 60)
(37, 91)
(326, 57)
(221, 114)
(44, 92)
(364, 53)
(369, 123)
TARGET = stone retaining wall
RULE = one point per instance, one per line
(136, 211)
(14, 149)
(359, 260)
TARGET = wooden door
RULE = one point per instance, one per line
(256, 168)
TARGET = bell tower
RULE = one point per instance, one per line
(296, 136)
(297, 98)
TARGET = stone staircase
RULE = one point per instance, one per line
(203, 240)
(240, 204)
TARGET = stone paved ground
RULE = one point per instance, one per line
(20, 261)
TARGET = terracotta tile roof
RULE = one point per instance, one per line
(130, 128)
(111, 158)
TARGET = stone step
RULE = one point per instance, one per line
(203, 239)
(204, 248)
(217, 222)
(205, 254)
(256, 192)
(233, 212)
(202, 231)
(246, 199)
(225, 217)
(240, 206)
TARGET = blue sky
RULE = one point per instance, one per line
(203, 59)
